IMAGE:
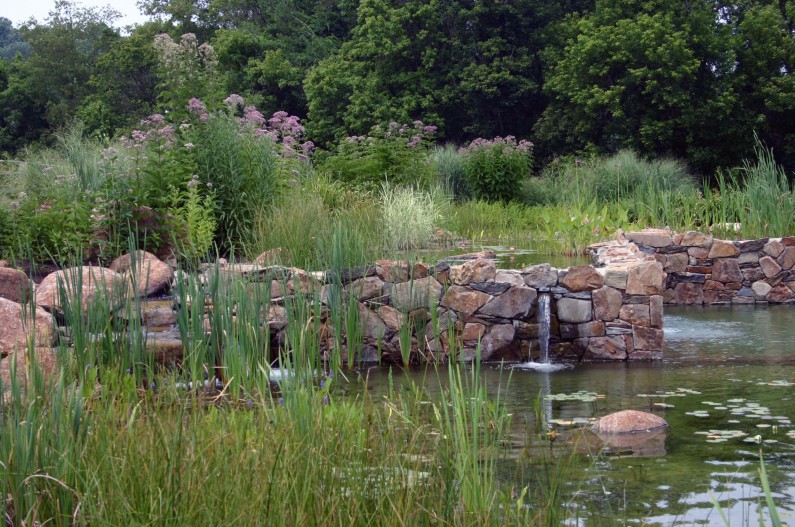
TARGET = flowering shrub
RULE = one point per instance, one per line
(394, 153)
(230, 161)
(185, 66)
(496, 167)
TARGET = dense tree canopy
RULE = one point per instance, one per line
(693, 80)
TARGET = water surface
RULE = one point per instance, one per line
(726, 386)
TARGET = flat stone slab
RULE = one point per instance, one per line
(629, 421)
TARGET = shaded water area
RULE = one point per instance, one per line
(726, 386)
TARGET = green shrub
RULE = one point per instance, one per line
(397, 154)
(496, 167)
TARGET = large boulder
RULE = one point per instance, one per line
(629, 421)
(46, 360)
(16, 328)
(516, 302)
(14, 284)
(480, 270)
(149, 274)
(91, 283)
(645, 278)
(582, 278)
(414, 294)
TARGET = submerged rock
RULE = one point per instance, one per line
(629, 421)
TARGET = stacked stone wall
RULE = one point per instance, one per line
(701, 269)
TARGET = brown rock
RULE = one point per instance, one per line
(95, 283)
(616, 277)
(696, 239)
(647, 338)
(473, 331)
(769, 266)
(726, 270)
(371, 325)
(306, 283)
(698, 252)
(151, 275)
(582, 278)
(780, 294)
(712, 285)
(636, 314)
(414, 294)
(656, 311)
(787, 258)
(464, 300)
(748, 258)
(480, 270)
(675, 263)
(629, 421)
(595, 328)
(656, 238)
(645, 279)
(392, 318)
(499, 340)
(699, 269)
(788, 241)
(509, 277)
(366, 288)
(688, 293)
(611, 347)
(540, 276)
(14, 284)
(160, 317)
(606, 303)
(774, 248)
(16, 328)
(514, 303)
(46, 360)
(723, 249)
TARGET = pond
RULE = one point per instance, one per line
(516, 256)
(726, 386)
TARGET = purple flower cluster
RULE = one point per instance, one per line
(198, 108)
(509, 145)
(153, 130)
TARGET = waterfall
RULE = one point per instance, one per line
(542, 318)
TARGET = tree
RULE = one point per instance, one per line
(11, 41)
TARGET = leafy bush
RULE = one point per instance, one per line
(496, 167)
(194, 214)
(56, 229)
(397, 154)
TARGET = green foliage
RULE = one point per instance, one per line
(242, 170)
(450, 167)
(195, 216)
(410, 216)
(320, 224)
(496, 168)
(396, 154)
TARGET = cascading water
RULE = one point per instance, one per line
(542, 318)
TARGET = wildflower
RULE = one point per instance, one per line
(281, 401)
(322, 383)
(194, 181)
(325, 400)
(234, 101)
(249, 404)
(189, 146)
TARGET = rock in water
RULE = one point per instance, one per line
(628, 421)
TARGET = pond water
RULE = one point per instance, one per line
(727, 389)
(517, 256)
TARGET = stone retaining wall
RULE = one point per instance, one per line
(613, 313)
(701, 269)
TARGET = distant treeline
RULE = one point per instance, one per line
(689, 79)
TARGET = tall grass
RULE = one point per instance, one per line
(409, 216)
